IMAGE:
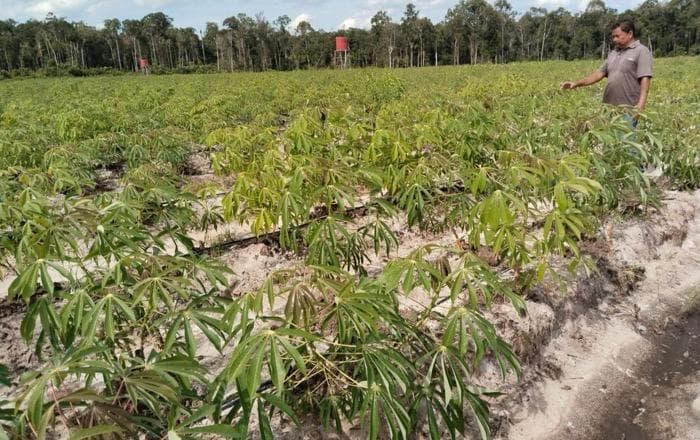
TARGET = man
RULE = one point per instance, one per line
(628, 69)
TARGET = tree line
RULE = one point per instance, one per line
(472, 31)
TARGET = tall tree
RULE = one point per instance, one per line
(471, 31)
(133, 30)
(156, 26)
(112, 27)
(384, 33)
(8, 44)
(410, 29)
(475, 19)
(505, 16)
(282, 41)
(211, 42)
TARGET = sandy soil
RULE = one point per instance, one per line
(629, 367)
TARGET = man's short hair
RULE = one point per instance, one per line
(626, 25)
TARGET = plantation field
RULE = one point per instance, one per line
(208, 256)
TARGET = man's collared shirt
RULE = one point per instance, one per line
(625, 68)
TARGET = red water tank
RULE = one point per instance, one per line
(341, 44)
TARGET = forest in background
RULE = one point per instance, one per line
(472, 31)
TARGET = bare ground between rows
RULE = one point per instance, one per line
(627, 366)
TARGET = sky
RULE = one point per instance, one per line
(321, 14)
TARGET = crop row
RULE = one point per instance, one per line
(120, 301)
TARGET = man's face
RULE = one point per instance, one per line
(621, 38)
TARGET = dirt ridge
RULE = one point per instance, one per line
(596, 361)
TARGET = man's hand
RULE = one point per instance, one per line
(587, 81)
(568, 85)
(643, 92)
(636, 110)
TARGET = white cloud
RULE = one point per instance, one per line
(356, 21)
(97, 7)
(582, 5)
(430, 3)
(21, 10)
(155, 4)
(41, 8)
(38, 9)
(348, 23)
(298, 19)
(401, 4)
(552, 4)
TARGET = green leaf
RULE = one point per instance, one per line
(208, 332)
(46, 280)
(124, 307)
(190, 342)
(172, 334)
(373, 417)
(96, 431)
(294, 353)
(46, 420)
(35, 402)
(83, 395)
(264, 424)
(5, 376)
(146, 381)
(24, 285)
(276, 365)
(28, 323)
(255, 369)
(225, 431)
(181, 366)
(109, 319)
(432, 424)
(281, 405)
(201, 413)
(447, 387)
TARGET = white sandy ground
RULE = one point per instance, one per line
(605, 356)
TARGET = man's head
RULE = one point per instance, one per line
(623, 33)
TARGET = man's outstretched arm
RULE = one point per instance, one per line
(587, 81)
(643, 92)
